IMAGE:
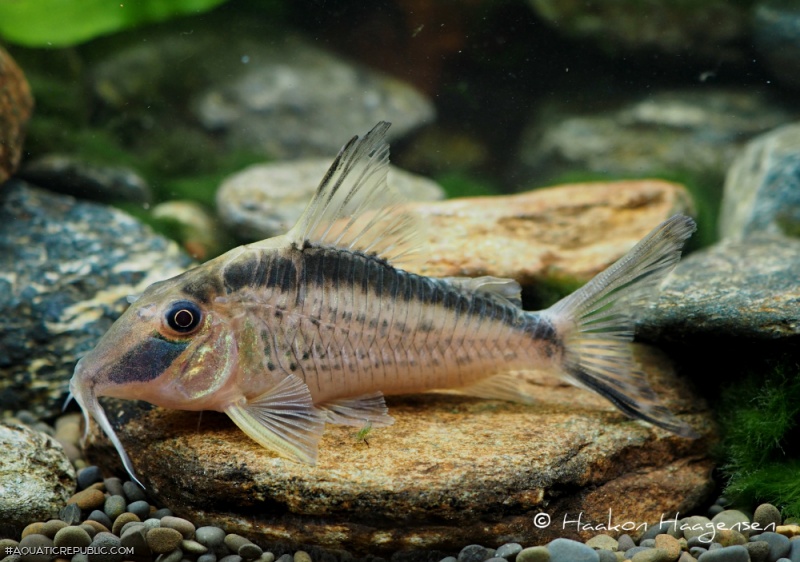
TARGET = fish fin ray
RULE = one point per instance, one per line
(355, 209)
(503, 386)
(596, 325)
(358, 411)
(507, 291)
(283, 419)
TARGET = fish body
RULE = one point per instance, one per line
(318, 325)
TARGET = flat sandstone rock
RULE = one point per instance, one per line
(451, 471)
(568, 231)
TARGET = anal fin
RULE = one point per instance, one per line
(284, 420)
(358, 411)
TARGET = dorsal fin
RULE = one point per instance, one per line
(354, 208)
(505, 290)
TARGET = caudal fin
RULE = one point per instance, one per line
(597, 325)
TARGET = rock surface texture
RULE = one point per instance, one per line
(451, 470)
(65, 269)
(36, 477)
(16, 105)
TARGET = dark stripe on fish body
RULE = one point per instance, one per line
(203, 290)
(147, 361)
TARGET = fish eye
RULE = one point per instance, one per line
(183, 316)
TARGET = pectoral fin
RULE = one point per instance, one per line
(358, 411)
(283, 420)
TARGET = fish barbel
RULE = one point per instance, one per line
(317, 325)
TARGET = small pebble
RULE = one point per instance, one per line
(184, 527)
(652, 555)
(733, 519)
(727, 537)
(670, 545)
(36, 541)
(697, 551)
(134, 537)
(668, 527)
(107, 548)
(607, 556)
(174, 556)
(759, 551)
(649, 543)
(130, 525)
(163, 512)
(101, 518)
(686, 557)
(449, 559)
(212, 537)
(114, 486)
(72, 537)
(193, 547)
(778, 544)
(534, 554)
(603, 542)
(33, 529)
(70, 514)
(53, 526)
(566, 550)
(714, 546)
(767, 517)
(794, 551)
(133, 492)
(237, 558)
(88, 476)
(120, 522)
(140, 508)
(301, 556)
(625, 543)
(715, 509)
(209, 557)
(696, 526)
(727, 554)
(631, 552)
(89, 529)
(114, 506)
(471, 553)
(509, 551)
(163, 540)
(97, 526)
(80, 557)
(88, 500)
(269, 557)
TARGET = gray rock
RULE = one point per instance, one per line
(776, 30)
(267, 199)
(734, 289)
(732, 519)
(697, 526)
(779, 545)
(767, 517)
(691, 131)
(292, 99)
(65, 270)
(628, 26)
(762, 189)
(534, 554)
(36, 478)
(727, 554)
(759, 551)
(508, 551)
(72, 176)
(474, 553)
(565, 550)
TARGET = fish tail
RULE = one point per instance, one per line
(596, 323)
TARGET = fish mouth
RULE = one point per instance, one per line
(86, 397)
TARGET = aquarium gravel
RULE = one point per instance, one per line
(110, 512)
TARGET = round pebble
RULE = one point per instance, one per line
(758, 551)
(697, 551)
(715, 509)
(728, 537)
(140, 508)
(36, 541)
(212, 537)
(184, 527)
(33, 529)
(631, 552)
(607, 556)
(163, 512)
(767, 517)
(163, 540)
(686, 557)
(72, 536)
(97, 526)
(53, 526)
(652, 555)
(174, 556)
(89, 499)
(133, 492)
(106, 548)
(625, 542)
(449, 559)
(733, 519)
(89, 529)
(88, 476)
(603, 542)
(566, 550)
(209, 557)
(301, 556)
(778, 544)
(237, 558)
(509, 551)
(130, 525)
(474, 553)
(534, 554)
(114, 506)
(662, 528)
(120, 522)
(114, 486)
(101, 518)
(269, 557)
(193, 547)
(134, 537)
(696, 526)
(727, 554)
(670, 545)
(649, 543)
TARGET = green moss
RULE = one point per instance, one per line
(456, 184)
(760, 450)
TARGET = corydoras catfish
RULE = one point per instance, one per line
(317, 325)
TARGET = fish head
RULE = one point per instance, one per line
(173, 347)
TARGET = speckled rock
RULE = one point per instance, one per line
(671, 27)
(16, 105)
(762, 189)
(691, 131)
(265, 200)
(36, 478)
(72, 176)
(745, 289)
(65, 270)
(451, 470)
(568, 232)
